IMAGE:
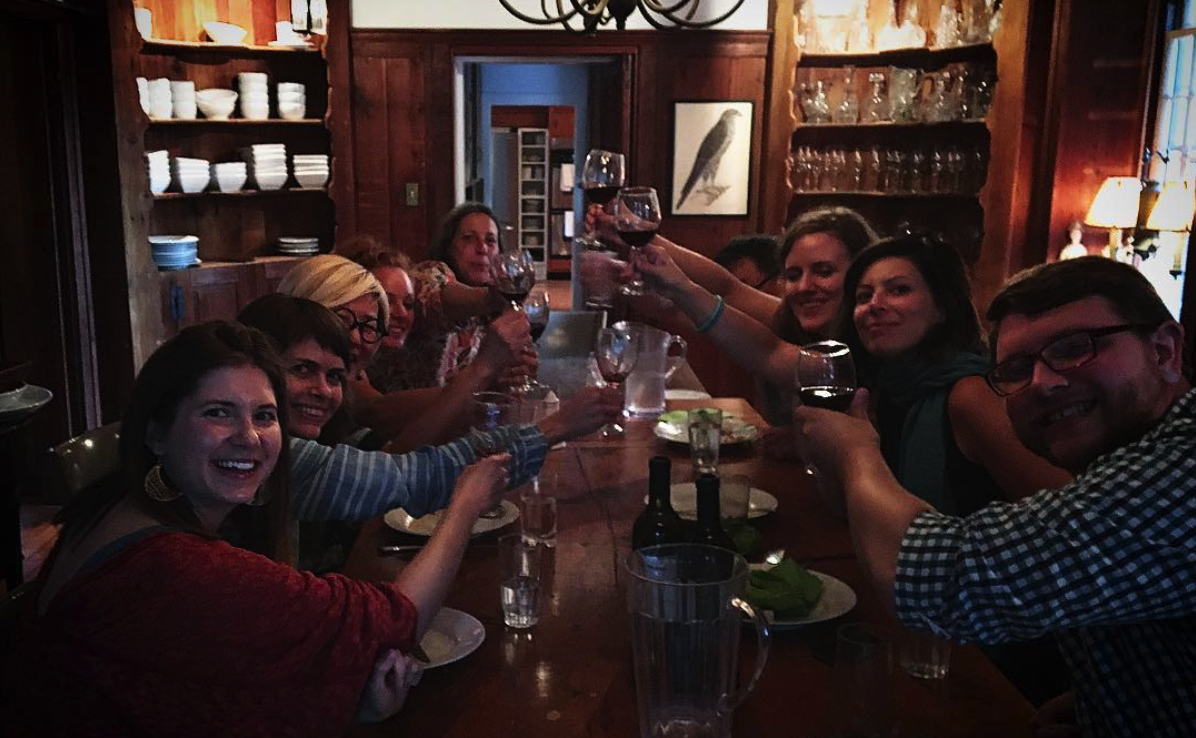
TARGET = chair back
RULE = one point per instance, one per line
(80, 462)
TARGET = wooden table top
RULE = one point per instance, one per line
(572, 675)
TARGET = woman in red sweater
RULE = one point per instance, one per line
(145, 623)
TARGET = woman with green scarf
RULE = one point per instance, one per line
(909, 319)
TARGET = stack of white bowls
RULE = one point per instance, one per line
(311, 170)
(192, 175)
(143, 94)
(230, 176)
(159, 170)
(182, 99)
(292, 101)
(255, 95)
(174, 252)
(159, 98)
(299, 245)
(215, 103)
(267, 164)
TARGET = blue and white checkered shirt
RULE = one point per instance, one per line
(346, 483)
(1106, 564)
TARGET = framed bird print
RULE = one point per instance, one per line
(712, 158)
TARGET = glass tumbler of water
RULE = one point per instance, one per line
(519, 577)
(537, 514)
(705, 430)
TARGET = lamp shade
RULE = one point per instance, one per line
(1116, 204)
(1174, 208)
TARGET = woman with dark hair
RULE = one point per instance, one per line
(453, 299)
(919, 349)
(143, 622)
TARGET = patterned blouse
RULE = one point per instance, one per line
(436, 348)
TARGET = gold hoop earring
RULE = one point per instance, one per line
(156, 487)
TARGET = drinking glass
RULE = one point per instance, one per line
(536, 307)
(705, 430)
(538, 512)
(616, 352)
(825, 378)
(514, 274)
(519, 574)
(863, 663)
(924, 655)
(602, 176)
(637, 217)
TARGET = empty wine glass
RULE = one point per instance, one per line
(616, 352)
(637, 218)
(825, 378)
(514, 274)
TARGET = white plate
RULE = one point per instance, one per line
(685, 501)
(837, 599)
(404, 523)
(452, 636)
(685, 394)
(671, 426)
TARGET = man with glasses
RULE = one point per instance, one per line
(1090, 364)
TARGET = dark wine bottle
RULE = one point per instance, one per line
(658, 523)
(709, 528)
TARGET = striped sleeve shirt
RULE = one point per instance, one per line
(1107, 564)
(346, 483)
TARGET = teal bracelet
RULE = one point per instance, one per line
(713, 318)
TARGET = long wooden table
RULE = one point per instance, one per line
(571, 674)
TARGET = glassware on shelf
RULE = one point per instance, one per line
(974, 28)
(979, 92)
(848, 110)
(903, 94)
(916, 172)
(937, 107)
(875, 108)
(978, 163)
(935, 181)
(820, 107)
(855, 171)
(874, 176)
(947, 31)
(955, 168)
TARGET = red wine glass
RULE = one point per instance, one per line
(637, 218)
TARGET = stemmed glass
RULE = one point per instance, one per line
(537, 310)
(514, 275)
(825, 378)
(602, 176)
(637, 218)
(616, 351)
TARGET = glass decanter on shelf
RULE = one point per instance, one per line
(820, 107)
(938, 107)
(848, 110)
(947, 30)
(875, 108)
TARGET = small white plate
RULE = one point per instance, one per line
(837, 599)
(425, 526)
(673, 426)
(685, 501)
(452, 636)
(686, 394)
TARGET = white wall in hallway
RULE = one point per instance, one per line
(489, 14)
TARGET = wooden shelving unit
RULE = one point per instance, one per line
(168, 46)
(234, 122)
(533, 217)
(241, 194)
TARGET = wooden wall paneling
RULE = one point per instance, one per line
(339, 116)
(371, 144)
(408, 153)
(437, 159)
(220, 292)
(776, 161)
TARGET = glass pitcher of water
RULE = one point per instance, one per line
(687, 607)
(645, 385)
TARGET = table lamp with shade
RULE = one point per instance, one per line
(1171, 215)
(1115, 207)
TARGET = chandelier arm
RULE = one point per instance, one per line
(532, 19)
(659, 7)
(681, 23)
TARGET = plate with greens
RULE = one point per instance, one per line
(792, 596)
(674, 426)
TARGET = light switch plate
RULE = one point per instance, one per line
(412, 190)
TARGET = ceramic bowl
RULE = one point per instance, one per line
(231, 181)
(269, 180)
(216, 103)
(225, 33)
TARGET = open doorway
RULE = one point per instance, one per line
(523, 124)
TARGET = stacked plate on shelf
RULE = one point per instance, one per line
(192, 175)
(158, 164)
(267, 165)
(311, 170)
(299, 245)
(174, 252)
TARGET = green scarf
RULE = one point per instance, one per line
(920, 388)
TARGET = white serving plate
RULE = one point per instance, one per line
(452, 636)
(684, 496)
(399, 520)
(837, 599)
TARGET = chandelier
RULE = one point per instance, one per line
(594, 13)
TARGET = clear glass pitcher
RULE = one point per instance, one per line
(645, 384)
(686, 604)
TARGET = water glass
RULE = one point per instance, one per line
(705, 428)
(925, 655)
(600, 272)
(538, 513)
(519, 577)
(863, 664)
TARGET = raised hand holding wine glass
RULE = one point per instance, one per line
(616, 352)
(637, 218)
(825, 378)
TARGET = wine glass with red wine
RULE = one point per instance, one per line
(825, 378)
(537, 309)
(514, 275)
(637, 217)
(616, 351)
(602, 176)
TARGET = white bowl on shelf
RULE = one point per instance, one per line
(292, 111)
(216, 103)
(311, 180)
(269, 180)
(260, 78)
(225, 33)
(255, 112)
(298, 87)
(231, 181)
